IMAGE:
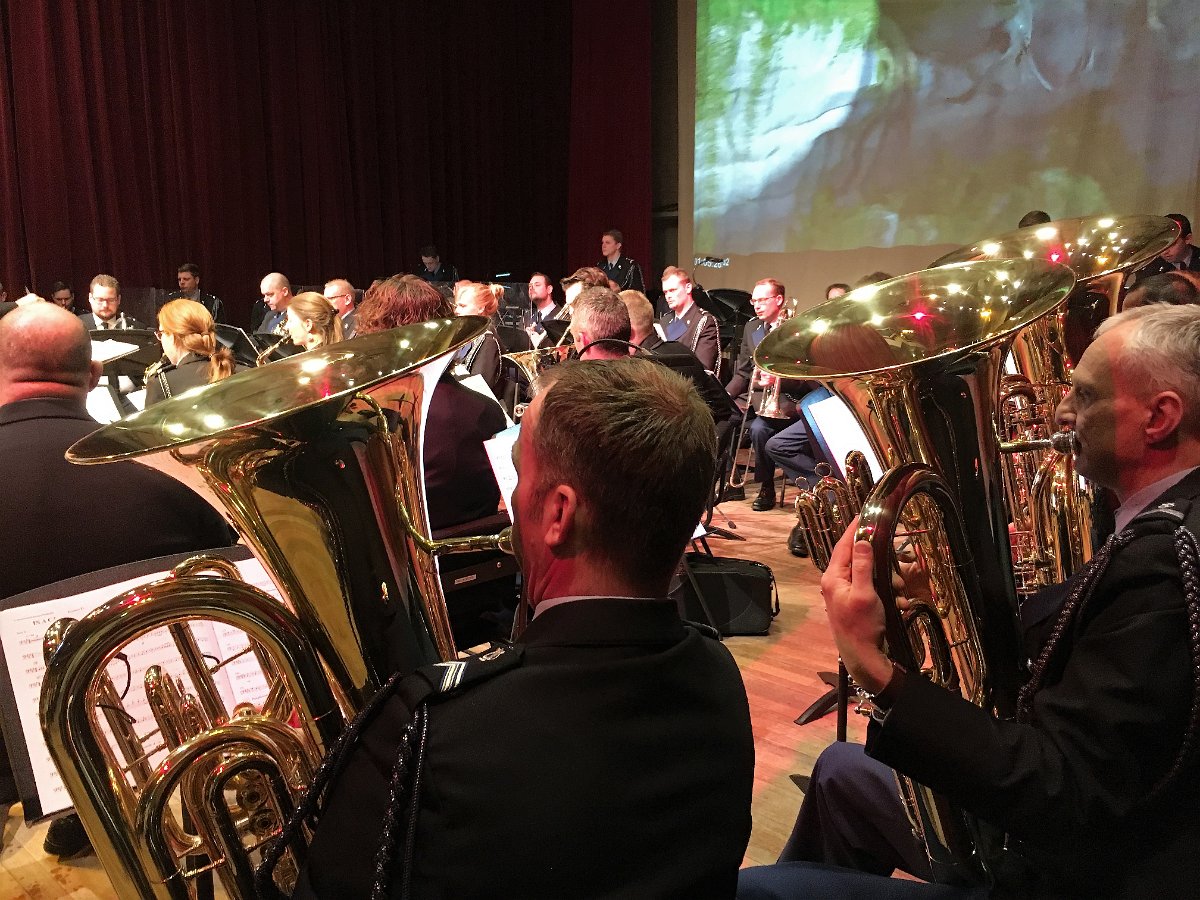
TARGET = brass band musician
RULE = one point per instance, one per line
(1092, 789)
(776, 441)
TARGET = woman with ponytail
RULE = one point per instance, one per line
(191, 354)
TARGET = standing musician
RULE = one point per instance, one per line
(609, 752)
(782, 441)
(1093, 787)
(620, 269)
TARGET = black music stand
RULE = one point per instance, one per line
(245, 351)
(131, 364)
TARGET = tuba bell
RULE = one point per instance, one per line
(1052, 528)
(918, 360)
(317, 461)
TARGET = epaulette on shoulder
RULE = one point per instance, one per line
(705, 629)
(1170, 513)
(445, 677)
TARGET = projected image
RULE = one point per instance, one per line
(836, 124)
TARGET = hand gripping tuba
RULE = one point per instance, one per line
(316, 460)
(918, 361)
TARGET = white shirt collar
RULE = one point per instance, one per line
(1137, 503)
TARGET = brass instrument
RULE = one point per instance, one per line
(770, 406)
(264, 356)
(317, 461)
(1050, 508)
(918, 359)
(826, 511)
(533, 363)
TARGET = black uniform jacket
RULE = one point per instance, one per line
(1080, 786)
(615, 761)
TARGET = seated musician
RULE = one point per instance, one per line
(1092, 788)
(784, 441)
(608, 753)
(481, 356)
(459, 484)
(606, 332)
(191, 354)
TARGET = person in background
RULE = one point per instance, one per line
(340, 293)
(625, 274)
(312, 322)
(432, 267)
(62, 295)
(188, 278)
(482, 355)
(459, 484)
(191, 354)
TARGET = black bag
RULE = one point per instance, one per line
(734, 596)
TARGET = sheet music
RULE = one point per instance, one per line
(107, 350)
(499, 450)
(22, 630)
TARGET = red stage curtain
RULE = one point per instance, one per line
(610, 131)
(316, 138)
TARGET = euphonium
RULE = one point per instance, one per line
(317, 461)
(918, 359)
(826, 511)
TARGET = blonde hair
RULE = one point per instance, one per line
(193, 328)
(641, 313)
(326, 323)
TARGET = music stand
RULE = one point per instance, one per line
(245, 351)
(26, 617)
(262, 341)
(131, 364)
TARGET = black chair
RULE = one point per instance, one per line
(481, 587)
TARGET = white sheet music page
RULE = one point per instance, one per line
(23, 628)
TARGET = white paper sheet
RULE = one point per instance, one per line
(499, 450)
(22, 629)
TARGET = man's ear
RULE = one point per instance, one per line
(1166, 412)
(559, 509)
(95, 370)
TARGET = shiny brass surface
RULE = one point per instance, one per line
(1100, 250)
(107, 797)
(918, 360)
(533, 363)
(317, 460)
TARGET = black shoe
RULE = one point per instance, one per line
(797, 546)
(66, 838)
(733, 493)
(765, 499)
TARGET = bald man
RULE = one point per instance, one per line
(69, 520)
(277, 295)
(340, 293)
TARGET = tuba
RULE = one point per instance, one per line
(317, 462)
(918, 361)
(1051, 509)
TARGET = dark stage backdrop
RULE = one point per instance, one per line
(319, 139)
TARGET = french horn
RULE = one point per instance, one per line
(316, 460)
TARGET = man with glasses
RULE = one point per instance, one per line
(340, 293)
(104, 297)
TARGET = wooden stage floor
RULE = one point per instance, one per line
(780, 671)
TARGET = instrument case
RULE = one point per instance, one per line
(734, 596)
